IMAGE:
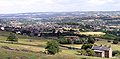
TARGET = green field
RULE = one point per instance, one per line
(25, 49)
(103, 42)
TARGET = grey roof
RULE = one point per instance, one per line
(98, 51)
(102, 48)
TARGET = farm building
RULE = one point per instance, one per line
(102, 51)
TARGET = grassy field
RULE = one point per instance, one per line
(37, 47)
(90, 33)
(103, 42)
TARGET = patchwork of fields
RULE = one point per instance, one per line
(33, 47)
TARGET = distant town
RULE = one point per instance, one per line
(40, 22)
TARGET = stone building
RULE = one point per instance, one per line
(103, 51)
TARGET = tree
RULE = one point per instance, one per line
(115, 42)
(12, 37)
(86, 46)
(91, 40)
(52, 47)
(109, 41)
(90, 52)
(82, 52)
(82, 40)
(62, 40)
(58, 33)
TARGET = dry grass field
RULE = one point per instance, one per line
(90, 33)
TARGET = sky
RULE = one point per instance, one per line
(22, 6)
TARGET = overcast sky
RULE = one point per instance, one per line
(22, 6)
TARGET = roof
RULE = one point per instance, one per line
(98, 51)
(102, 48)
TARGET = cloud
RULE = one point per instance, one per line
(100, 2)
(19, 6)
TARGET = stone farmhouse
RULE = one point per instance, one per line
(102, 51)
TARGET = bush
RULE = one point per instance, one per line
(115, 42)
(52, 47)
(108, 41)
(12, 37)
(115, 52)
(83, 58)
(77, 42)
(86, 46)
(91, 40)
(118, 55)
(90, 52)
(62, 40)
(82, 52)
(80, 41)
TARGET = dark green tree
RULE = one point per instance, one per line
(12, 37)
(91, 40)
(83, 40)
(115, 41)
(86, 46)
(62, 40)
(52, 47)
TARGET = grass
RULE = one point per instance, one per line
(73, 45)
(69, 56)
(38, 45)
(6, 54)
(104, 42)
(90, 33)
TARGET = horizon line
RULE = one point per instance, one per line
(62, 11)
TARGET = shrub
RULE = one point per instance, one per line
(64, 41)
(91, 40)
(12, 37)
(82, 52)
(83, 58)
(115, 52)
(90, 52)
(52, 47)
(115, 42)
(86, 46)
(108, 41)
(80, 41)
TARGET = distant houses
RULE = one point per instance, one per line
(102, 51)
(2, 28)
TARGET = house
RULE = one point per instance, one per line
(102, 51)
(2, 28)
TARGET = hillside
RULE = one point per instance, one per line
(33, 48)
